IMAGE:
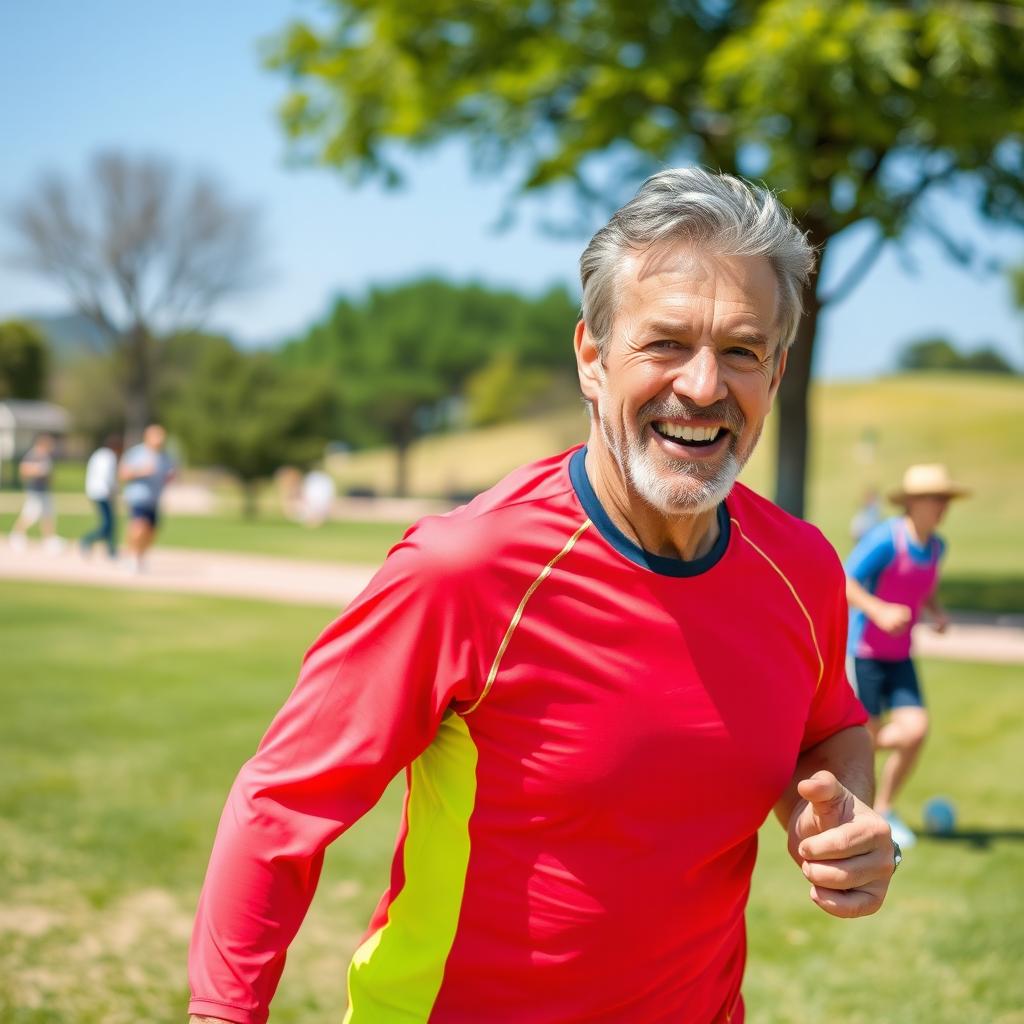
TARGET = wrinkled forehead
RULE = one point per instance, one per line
(683, 269)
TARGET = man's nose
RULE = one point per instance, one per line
(699, 378)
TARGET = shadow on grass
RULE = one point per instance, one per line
(979, 839)
(996, 594)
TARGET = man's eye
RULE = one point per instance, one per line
(747, 353)
(665, 344)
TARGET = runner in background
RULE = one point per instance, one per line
(891, 578)
(36, 472)
(145, 470)
(101, 489)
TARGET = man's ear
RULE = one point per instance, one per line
(780, 369)
(588, 363)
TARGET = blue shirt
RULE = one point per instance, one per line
(144, 491)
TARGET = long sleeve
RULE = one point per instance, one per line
(369, 699)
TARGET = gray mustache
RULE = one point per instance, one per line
(724, 411)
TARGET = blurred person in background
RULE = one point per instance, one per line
(145, 470)
(101, 489)
(600, 677)
(892, 575)
(36, 472)
(318, 493)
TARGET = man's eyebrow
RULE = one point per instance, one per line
(668, 326)
(747, 335)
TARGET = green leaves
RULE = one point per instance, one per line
(245, 412)
(24, 360)
(400, 359)
(802, 93)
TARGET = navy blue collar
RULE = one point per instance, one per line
(628, 548)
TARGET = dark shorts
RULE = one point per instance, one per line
(146, 512)
(883, 685)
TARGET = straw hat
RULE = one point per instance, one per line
(931, 479)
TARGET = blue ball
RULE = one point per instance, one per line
(939, 817)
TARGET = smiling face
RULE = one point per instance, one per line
(687, 375)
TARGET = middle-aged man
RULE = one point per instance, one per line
(599, 676)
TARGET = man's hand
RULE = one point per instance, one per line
(893, 619)
(842, 846)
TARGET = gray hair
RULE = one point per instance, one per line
(727, 213)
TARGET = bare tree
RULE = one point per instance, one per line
(143, 251)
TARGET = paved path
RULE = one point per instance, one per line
(182, 570)
(268, 578)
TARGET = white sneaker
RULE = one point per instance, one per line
(18, 541)
(53, 545)
(902, 833)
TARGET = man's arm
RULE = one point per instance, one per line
(371, 694)
(842, 846)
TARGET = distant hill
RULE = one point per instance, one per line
(70, 334)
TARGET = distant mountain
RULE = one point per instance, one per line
(70, 334)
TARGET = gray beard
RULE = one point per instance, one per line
(694, 489)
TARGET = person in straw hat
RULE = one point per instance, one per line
(891, 578)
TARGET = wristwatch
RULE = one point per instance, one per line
(897, 856)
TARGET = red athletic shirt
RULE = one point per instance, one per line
(592, 736)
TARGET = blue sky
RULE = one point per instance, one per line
(185, 81)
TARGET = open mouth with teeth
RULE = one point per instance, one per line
(689, 437)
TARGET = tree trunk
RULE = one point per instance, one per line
(402, 446)
(138, 400)
(793, 447)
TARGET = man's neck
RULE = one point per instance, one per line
(683, 536)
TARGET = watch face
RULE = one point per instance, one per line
(897, 855)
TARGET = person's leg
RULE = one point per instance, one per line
(47, 517)
(86, 541)
(109, 527)
(27, 518)
(902, 736)
(99, 531)
(140, 535)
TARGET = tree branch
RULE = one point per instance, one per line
(903, 206)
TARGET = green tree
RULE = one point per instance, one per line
(941, 354)
(987, 360)
(856, 110)
(503, 389)
(930, 354)
(246, 413)
(24, 360)
(399, 356)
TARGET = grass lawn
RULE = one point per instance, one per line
(127, 715)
